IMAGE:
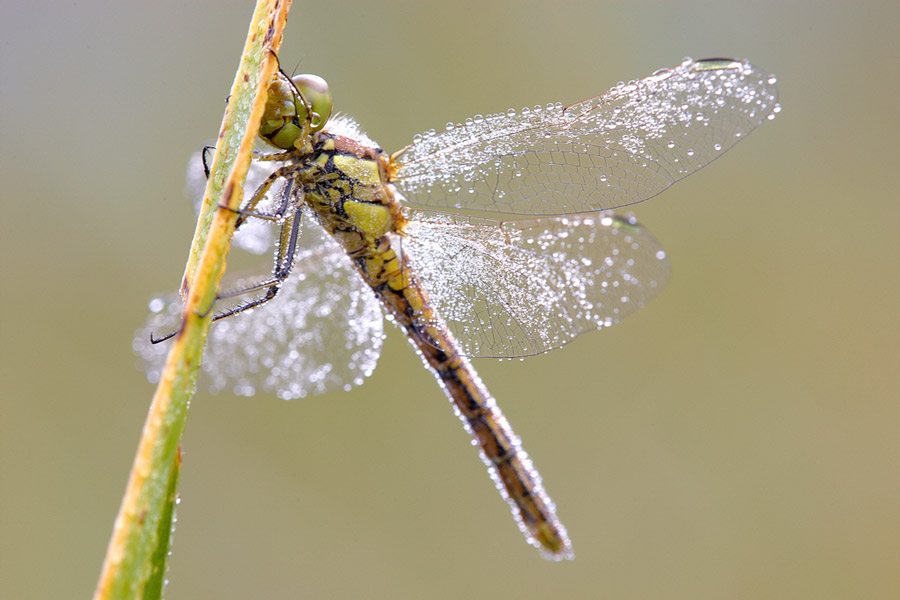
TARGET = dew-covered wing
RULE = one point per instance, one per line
(322, 332)
(518, 288)
(255, 235)
(617, 149)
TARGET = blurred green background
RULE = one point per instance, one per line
(737, 438)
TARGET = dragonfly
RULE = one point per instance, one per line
(493, 237)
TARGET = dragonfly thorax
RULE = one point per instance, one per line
(349, 191)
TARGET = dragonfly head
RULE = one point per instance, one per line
(295, 109)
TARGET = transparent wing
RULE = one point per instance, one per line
(617, 149)
(518, 288)
(322, 332)
(255, 235)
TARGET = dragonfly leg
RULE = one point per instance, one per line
(284, 262)
(273, 156)
(248, 209)
(261, 191)
(204, 156)
(168, 336)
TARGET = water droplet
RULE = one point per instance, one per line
(690, 152)
(660, 254)
(156, 305)
(670, 145)
(717, 147)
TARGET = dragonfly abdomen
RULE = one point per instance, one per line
(500, 448)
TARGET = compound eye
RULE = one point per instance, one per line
(318, 96)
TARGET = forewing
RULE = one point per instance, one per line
(322, 332)
(516, 288)
(610, 151)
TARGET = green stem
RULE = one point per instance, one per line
(140, 534)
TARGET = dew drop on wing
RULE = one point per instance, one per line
(614, 150)
(517, 288)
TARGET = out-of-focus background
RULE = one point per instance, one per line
(737, 438)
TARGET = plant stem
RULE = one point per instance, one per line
(146, 504)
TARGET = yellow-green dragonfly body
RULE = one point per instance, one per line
(461, 284)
